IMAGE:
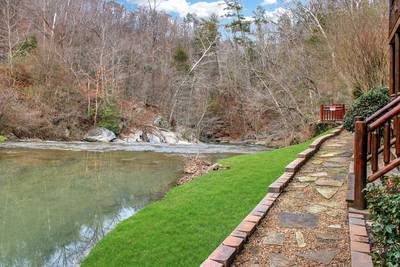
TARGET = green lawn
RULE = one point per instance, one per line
(192, 220)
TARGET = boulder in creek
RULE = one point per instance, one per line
(153, 137)
(134, 137)
(100, 135)
(171, 137)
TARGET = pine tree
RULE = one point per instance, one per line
(239, 26)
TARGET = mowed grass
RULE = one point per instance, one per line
(185, 226)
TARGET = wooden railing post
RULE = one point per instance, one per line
(360, 162)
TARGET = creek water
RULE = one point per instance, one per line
(57, 200)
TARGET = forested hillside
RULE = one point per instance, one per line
(69, 65)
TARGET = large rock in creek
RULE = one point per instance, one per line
(100, 135)
(171, 137)
(133, 137)
(154, 136)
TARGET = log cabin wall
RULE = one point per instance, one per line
(394, 47)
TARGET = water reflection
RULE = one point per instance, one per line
(71, 254)
(55, 205)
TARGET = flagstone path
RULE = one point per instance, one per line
(308, 225)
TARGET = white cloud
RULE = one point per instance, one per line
(275, 14)
(269, 2)
(206, 9)
(183, 7)
(247, 18)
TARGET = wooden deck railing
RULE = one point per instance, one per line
(376, 138)
(332, 113)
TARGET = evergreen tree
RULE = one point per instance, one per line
(239, 26)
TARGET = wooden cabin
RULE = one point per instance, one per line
(394, 49)
(377, 138)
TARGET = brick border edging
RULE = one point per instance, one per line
(360, 247)
(225, 253)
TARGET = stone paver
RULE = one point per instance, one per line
(327, 237)
(326, 192)
(279, 260)
(300, 240)
(335, 226)
(319, 174)
(274, 238)
(298, 220)
(324, 256)
(307, 179)
(308, 226)
(316, 208)
(328, 182)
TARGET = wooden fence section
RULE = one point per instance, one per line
(375, 139)
(332, 113)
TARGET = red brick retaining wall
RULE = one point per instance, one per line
(359, 241)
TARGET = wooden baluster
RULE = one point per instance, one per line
(360, 162)
(396, 70)
(369, 142)
(379, 134)
(397, 134)
(321, 113)
(374, 150)
(386, 143)
(341, 113)
(391, 69)
(334, 114)
(327, 114)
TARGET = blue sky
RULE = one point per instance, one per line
(204, 8)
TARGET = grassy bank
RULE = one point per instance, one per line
(192, 220)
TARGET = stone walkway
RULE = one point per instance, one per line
(308, 225)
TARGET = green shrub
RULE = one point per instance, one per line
(25, 47)
(181, 59)
(109, 117)
(366, 105)
(3, 139)
(384, 206)
(320, 127)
